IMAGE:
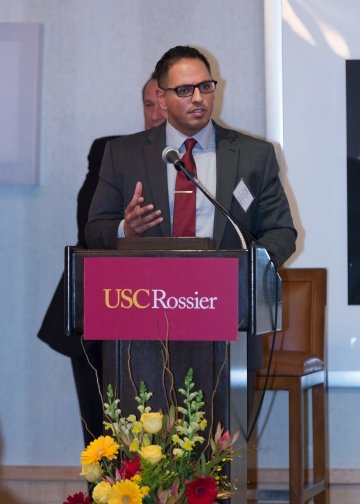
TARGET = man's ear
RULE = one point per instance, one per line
(161, 96)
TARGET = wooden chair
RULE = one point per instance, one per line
(298, 365)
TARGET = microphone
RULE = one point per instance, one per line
(171, 155)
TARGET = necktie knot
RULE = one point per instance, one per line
(188, 158)
(189, 144)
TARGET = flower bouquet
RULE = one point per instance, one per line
(157, 458)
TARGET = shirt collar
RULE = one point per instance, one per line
(205, 138)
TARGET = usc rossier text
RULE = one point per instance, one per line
(155, 299)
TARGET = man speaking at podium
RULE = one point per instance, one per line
(135, 193)
(139, 195)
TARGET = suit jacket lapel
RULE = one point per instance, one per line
(157, 174)
(227, 156)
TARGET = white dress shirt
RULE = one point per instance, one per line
(204, 154)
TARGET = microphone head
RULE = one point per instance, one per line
(170, 155)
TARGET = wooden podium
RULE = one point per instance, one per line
(219, 366)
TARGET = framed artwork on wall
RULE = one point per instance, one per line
(20, 88)
(353, 178)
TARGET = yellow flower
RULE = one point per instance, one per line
(178, 452)
(175, 439)
(103, 446)
(152, 422)
(145, 490)
(187, 444)
(137, 427)
(203, 424)
(92, 472)
(125, 491)
(152, 453)
(134, 446)
(101, 492)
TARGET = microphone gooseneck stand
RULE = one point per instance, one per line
(171, 155)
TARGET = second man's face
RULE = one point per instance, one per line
(188, 115)
(154, 115)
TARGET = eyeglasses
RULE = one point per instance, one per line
(188, 89)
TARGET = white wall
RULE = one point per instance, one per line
(96, 58)
(316, 38)
(310, 125)
(315, 152)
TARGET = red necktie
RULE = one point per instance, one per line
(185, 196)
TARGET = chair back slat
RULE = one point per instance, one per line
(303, 309)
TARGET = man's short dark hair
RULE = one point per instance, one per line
(172, 56)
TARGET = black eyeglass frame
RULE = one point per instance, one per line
(192, 87)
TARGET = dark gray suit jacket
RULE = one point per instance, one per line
(52, 329)
(137, 157)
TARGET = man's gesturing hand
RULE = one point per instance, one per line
(139, 219)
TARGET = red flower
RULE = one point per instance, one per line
(130, 467)
(201, 491)
(224, 439)
(78, 498)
